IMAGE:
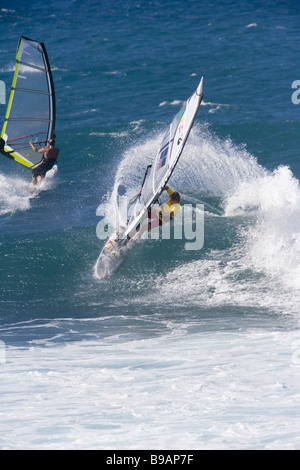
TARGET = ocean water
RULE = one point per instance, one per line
(181, 349)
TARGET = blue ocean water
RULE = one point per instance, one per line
(180, 349)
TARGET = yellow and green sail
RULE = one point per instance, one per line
(166, 159)
(30, 115)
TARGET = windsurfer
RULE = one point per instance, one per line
(163, 214)
(47, 162)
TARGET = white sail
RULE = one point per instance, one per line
(166, 158)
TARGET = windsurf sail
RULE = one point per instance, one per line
(30, 114)
(158, 174)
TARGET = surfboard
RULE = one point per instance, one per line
(113, 254)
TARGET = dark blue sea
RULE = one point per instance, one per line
(180, 349)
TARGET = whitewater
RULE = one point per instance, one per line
(208, 390)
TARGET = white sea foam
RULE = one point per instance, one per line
(8, 68)
(212, 165)
(214, 106)
(262, 269)
(14, 194)
(6, 10)
(171, 103)
(273, 242)
(115, 135)
(217, 390)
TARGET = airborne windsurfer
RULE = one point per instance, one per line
(152, 186)
(163, 214)
(47, 162)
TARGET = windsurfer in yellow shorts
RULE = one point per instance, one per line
(163, 214)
